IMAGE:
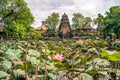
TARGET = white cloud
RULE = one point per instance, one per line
(43, 8)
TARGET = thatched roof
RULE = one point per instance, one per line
(42, 27)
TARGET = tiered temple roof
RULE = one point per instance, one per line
(64, 25)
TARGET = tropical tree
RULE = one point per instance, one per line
(16, 17)
(111, 21)
(87, 21)
(52, 21)
(79, 21)
(99, 20)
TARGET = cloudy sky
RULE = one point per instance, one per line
(41, 9)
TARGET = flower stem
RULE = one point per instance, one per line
(45, 70)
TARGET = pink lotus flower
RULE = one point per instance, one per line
(79, 42)
(58, 57)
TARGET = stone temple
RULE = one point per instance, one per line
(64, 27)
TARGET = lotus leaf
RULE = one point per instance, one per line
(104, 73)
(89, 69)
(85, 76)
(111, 55)
(11, 53)
(18, 53)
(45, 50)
(50, 67)
(51, 75)
(33, 52)
(92, 51)
(112, 58)
(3, 74)
(101, 62)
(6, 64)
(34, 60)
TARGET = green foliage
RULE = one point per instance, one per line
(34, 60)
(11, 53)
(77, 64)
(6, 64)
(112, 56)
(16, 17)
(99, 20)
(33, 52)
(79, 21)
(17, 76)
(104, 53)
(96, 43)
(92, 51)
(116, 45)
(84, 76)
(52, 21)
(3, 74)
(111, 21)
(33, 34)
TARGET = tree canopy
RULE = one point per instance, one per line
(52, 21)
(79, 21)
(111, 21)
(16, 17)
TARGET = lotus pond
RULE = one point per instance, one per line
(59, 60)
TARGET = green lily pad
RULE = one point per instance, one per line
(12, 53)
(34, 60)
(6, 64)
(85, 76)
(3, 74)
(33, 52)
(53, 76)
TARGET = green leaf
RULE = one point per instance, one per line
(113, 58)
(17, 18)
(6, 64)
(85, 76)
(93, 72)
(104, 73)
(116, 54)
(12, 53)
(101, 62)
(18, 53)
(51, 75)
(111, 55)
(45, 50)
(34, 60)
(3, 74)
(89, 69)
(33, 52)
(104, 53)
